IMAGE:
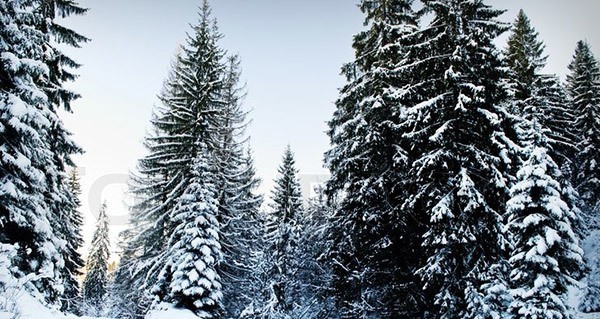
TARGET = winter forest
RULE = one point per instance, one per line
(464, 180)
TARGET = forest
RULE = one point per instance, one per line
(464, 180)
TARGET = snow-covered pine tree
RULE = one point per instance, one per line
(238, 202)
(525, 58)
(539, 96)
(583, 84)
(74, 241)
(190, 277)
(546, 257)
(458, 182)
(190, 111)
(35, 146)
(375, 244)
(95, 283)
(584, 87)
(59, 196)
(314, 268)
(281, 240)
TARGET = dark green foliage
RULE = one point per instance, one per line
(374, 241)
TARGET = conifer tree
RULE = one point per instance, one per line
(540, 96)
(36, 148)
(546, 257)
(314, 268)
(95, 283)
(74, 241)
(374, 242)
(238, 202)
(583, 84)
(584, 88)
(190, 277)
(458, 182)
(282, 240)
(525, 57)
(190, 111)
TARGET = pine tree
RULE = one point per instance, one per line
(540, 96)
(74, 241)
(190, 278)
(282, 240)
(375, 243)
(525, 57)
(35, 146)
(238, 203)
(584, 88)
(190, 111)
(314, 268)
(95, 283)
(583, 84)
(546, 257)
(458, 182)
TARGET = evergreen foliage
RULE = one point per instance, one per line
(35, 147)
(374, 241)
(95, 283)
(74, 241)
(190, 277)
(458, 182)
(583, 84)
(540, 96)
(281, 240)
(546, 257)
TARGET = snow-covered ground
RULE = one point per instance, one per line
(24, 306)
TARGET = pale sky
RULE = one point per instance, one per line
(291, 54)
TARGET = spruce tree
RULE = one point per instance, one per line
(584, 87)
(282, 240)
(375, 244)
(190, 111)
(190, 277)
(36, 148)
(458, 182)
(540, 96)
(583, 84)
(237, 199)
(546, 257)
(74, 241)
(95, 283)
(314, 268)
(525, 57)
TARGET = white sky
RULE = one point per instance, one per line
(291, 54)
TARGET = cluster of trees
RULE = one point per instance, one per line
(39, 219)
(464, 179)
(467, 176)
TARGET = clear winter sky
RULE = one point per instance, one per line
(291, 56)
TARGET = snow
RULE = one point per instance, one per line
(166, 311)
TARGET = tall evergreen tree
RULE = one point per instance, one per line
(95, 283)
(546, 257)
(583, 84)
(190, 277)
(525, 57)
(190, 111)
(74, 241)
(458, 182)
(314, 268)
(374, 241)
(238, 202)
(540, 96)
(282, 240)
(584, 87)
(36, 147)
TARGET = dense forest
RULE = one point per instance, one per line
(464, 181)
